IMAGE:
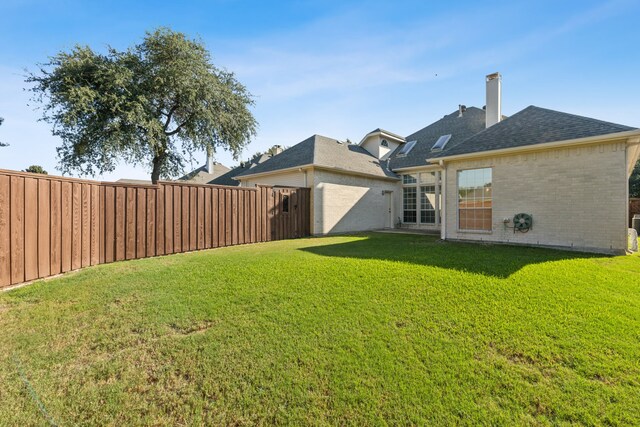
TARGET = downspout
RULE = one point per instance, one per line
(443, 208)
(312, 205)
(312, 198)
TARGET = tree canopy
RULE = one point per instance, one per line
(634, 182)
(36, 169)
(156, 103)
(271, 151)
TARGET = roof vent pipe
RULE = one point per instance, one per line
(461, 109)
(494, 99)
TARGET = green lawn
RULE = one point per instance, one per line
(364, 330)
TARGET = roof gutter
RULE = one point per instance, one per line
(350, 172)
(310, 166)
(543, 146)
(425, 167)
(291, 169)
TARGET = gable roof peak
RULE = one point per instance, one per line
(382, 131)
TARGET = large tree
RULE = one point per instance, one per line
(2, 144)
(155, 103)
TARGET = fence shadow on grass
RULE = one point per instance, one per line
(487, 259)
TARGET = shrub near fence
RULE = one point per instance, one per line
(51, 225)
(634, 208)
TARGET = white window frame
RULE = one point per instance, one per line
(470, 230)
(417, 200)
(417, 185)
(422, 200)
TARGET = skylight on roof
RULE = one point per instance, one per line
(406, 148)
(441, 142)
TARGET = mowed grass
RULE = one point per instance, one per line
(354, 330)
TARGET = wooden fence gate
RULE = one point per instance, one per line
(50, 225)
(289, 212)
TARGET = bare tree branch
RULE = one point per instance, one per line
(169, 116)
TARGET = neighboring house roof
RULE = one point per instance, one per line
(201, 176)
(460, 128)
(324, 152)
(227, 178)
(533, 125)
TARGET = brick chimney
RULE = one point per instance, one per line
(494, 99)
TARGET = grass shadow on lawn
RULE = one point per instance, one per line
(487, 259)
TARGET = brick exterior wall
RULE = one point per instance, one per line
(577, 196)
(344, 203)
(341, 202)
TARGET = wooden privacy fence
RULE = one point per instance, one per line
(51, 225)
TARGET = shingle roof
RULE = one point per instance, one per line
(533, 125)
(325, 152)
(460, 128)
(201, 176)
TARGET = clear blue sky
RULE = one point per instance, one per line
(343, 68)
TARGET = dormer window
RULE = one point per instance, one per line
(384, 143)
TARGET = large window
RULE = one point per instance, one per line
(409, 179)
(428, 204)
(474, 199)
(421, 198)
(409, 204)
